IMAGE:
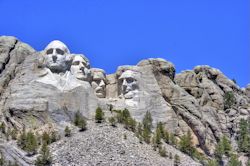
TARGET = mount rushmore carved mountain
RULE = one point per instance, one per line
(41, 91)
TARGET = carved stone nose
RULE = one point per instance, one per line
(54, 57)
(82, 69)
(102, 84)
(124, 83)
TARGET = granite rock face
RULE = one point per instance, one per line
(32, 95)
(248, 90)
(208, 86)
(147, 96)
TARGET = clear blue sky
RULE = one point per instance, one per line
(118, 32)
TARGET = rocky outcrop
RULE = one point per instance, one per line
(34, 94)
(11, 152)
(208, 87)
(248, 90)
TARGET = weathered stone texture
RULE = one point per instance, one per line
(191, 100)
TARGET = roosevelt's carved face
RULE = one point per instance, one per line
(129, 85)
(56, 56)
(80, 68)
(98, 83)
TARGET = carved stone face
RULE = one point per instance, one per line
(80, 68)
(56, 56)
(98, 83)
(129, 86)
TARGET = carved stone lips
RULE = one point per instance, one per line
(99, 90)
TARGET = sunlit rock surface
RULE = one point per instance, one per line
(46, 88)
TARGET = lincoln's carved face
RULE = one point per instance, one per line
(129, 85)
(99, 82)
(80, 68)
(57, 56)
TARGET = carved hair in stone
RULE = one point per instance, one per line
(128, 84)
(57, 57)
(99, 82)
(80, 68)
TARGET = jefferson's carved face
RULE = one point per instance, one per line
(80, 68)
(56, 56)
(98, 83)
(129, 84)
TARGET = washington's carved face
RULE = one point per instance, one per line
(129, 84)
(80, 68)
(56, 56)
(98, 83)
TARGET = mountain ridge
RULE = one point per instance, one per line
(34, 98)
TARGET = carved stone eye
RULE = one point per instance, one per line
(49, 51)
(59, 51)
(98, 81)
(76, 63)
(129, 80)
(84, 63)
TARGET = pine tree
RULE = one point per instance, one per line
(139, 128)
(229, 100)
(46, 138)
(227, 145)
(112, 121)
(131, 123)
(234, 80)
(45, 158)
(157, 136)
(77, 118)
(234, 161)
(31, 143)
(146, 135)
(80, 121)
(147, 125)
(244, 136)
(219, 151)
(139, 132)
(99, 115)
(172, 139)
(119, 116)
(186, 144)
(125, 118)
(67, 131)
(82, 124)
(125, 115)
(222, 148)
(161, 129)
(212, 163)
(153, 142)
(21, 142)
(166, 137)
(147, 121)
